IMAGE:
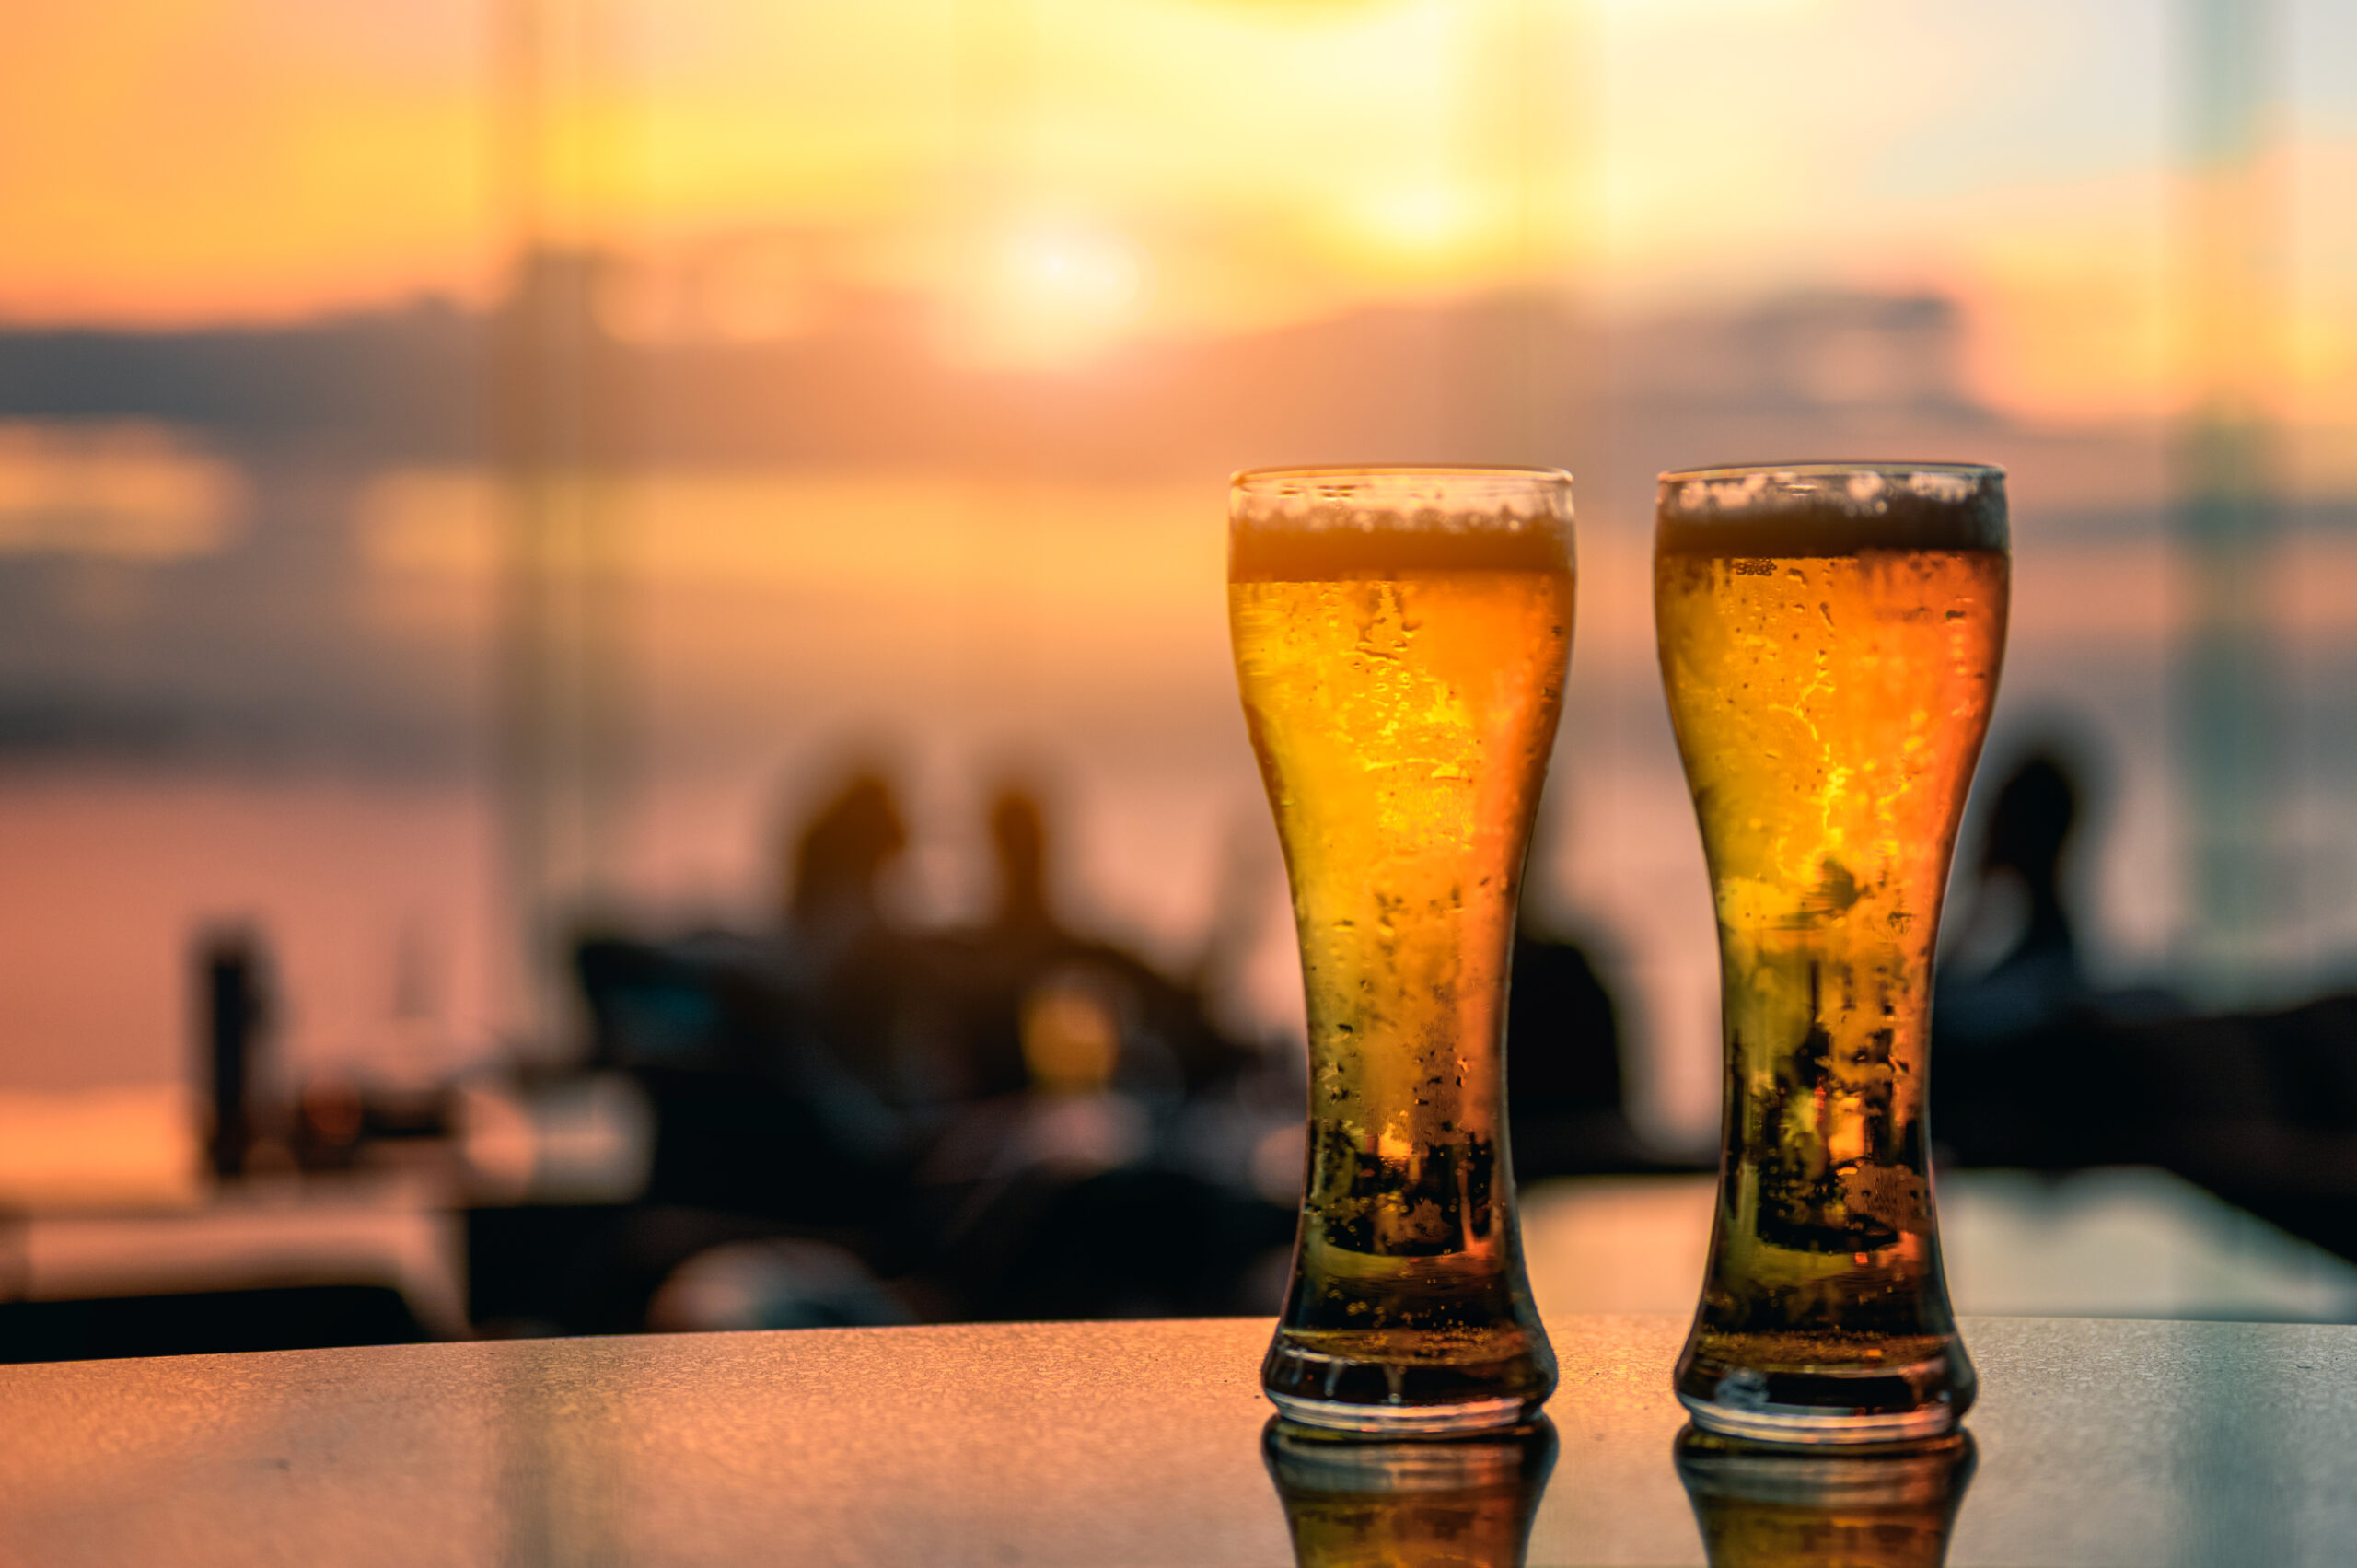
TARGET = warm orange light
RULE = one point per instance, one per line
(1204, 167)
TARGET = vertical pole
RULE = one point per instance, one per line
(236, 1015)
(2227, 513)
(563, 740)
(517, 430)
(605, 749)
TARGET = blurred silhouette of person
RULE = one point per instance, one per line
(1011, 1149)
(1061, 1187)
(832, 897)
(1025, 954)
(2014, 1007)
(2041, 1069)
(867, 984)
(1009, 954)
(2017, 910)
(767, 1062)
(1019, 845)
(1566, 1097)
(1566, 1093)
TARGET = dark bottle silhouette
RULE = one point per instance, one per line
(231, 975)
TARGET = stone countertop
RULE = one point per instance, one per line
(2099, 1442)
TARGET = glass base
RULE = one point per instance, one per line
(1406, 1420)
(1407, 1384)
(1819, 1424)
(1737, 1387)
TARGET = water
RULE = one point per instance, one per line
(781, 619)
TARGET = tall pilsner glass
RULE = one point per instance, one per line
(1830, 636)
(1400, 642)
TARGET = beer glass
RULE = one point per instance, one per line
(1803, 1508)
(1416, 1504)
(1401, 640)
(1829, 637)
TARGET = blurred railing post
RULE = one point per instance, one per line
(232, 981)
(563, 732)
(2228, 508)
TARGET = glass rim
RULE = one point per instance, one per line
(1388, 475)
(1830, 468)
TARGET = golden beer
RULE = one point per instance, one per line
(1830, 638)
(1400, 641)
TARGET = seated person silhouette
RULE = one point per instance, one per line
(1565, 1093)
(830, 897)
(2037, 978)
(868, 984)
(1167, 1043)
(1059, 1192)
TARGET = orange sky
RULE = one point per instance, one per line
(1064, 172)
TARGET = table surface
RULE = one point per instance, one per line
(2099, 1442)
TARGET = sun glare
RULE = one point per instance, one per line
(1208, 166)
(1054, 294)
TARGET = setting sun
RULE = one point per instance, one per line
(1203, 167)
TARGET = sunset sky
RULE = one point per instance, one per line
(1058, 175)
(1038, 183)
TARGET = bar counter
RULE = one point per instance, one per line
(1111, 1444)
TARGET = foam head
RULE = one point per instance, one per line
(1787, 509)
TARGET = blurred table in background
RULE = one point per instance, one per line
(2130, 1242)
(379, 1257)
(1101, 1444)
(389, 1234)
(115, 1240)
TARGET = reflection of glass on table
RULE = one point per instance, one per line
(1777, 1508)
(1401, 640)
(1467, 1503)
